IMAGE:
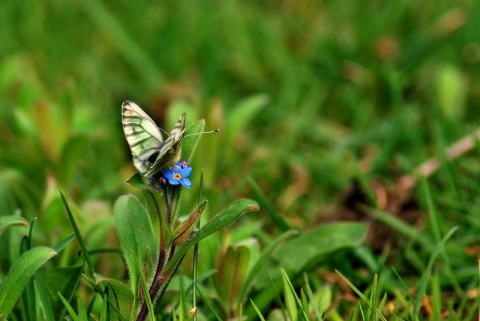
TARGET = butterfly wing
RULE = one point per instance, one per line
(143, 136)
(170, 151)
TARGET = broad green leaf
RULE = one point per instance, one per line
(310, 247)
(300, 251)
(221, 220)
(11, 220)
(64, 280)
(156, 207)
(226, 217)
(135, 232)
(120, 294)
(19, 275)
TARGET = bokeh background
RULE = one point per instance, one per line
(315, 100)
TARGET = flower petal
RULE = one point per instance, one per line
(173, 181)
(186, 182)
(169, 175)
(186, 171)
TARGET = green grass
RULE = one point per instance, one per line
(322, 107)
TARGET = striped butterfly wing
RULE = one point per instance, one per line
(143, 136)
(150, 152)
(171, 150)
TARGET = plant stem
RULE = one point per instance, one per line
(167, 249)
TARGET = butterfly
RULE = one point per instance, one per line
(151, 153)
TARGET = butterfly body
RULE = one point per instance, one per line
(151, 153)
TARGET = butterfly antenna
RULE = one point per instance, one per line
(163, 131)
(201, 133)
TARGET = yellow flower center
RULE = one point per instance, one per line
(177, 176)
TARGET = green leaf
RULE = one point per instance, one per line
(28, 294)
(184, 231)
(69, 308)
(64, 280)
(362, 296)
(135, 233)
(310, 247)
(64, 243)
(44, 297)
(120, 295)
(226, 217)
(82, 312)
(426, 274)
(232, 273)
(11, 220)
(137, 181)
(259, 313)
(79, 236)
(262, 260)
(208, 301)
(290, 297)
(221, 220)
(157, 208)
(144, 289)
(19, 275)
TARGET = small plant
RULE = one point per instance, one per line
(154, 242)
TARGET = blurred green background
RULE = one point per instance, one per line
(308, 95)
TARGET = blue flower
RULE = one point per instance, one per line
(178, 174)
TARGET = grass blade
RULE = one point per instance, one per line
(29, 292)
(260, 315)
(260, 263)
(210, 307)
(63, 243)
(279, 222)
(83, 247)
(20, 274)
(69, 308)
(426, 276)
(361, 295)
